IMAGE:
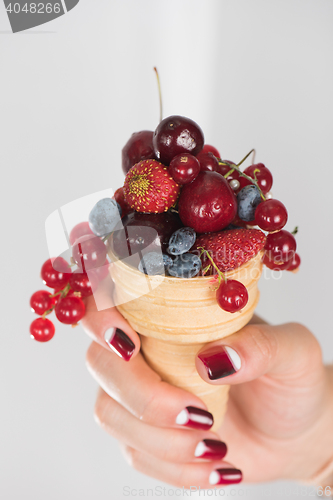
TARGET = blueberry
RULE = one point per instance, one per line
(248, 199)
(154, 263)
(186, 265)
(181, 241)
(104, 216)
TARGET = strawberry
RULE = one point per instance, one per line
(229, 248)
(149, 188)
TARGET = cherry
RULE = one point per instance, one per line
(208, 203)
(79, 230)
(232, 296)
(70, 310)
(184, 168)
(80, 282)
(264, 177)
(42, 329)
(271, 215)
(210, 149)
(276, 266)
(89, 252)
(119, 196)
(175, 135)
(142, 230)
(295, 262)
(56, 272)
(280, 246)
(208, 161)
(41, 301)
(138, 147)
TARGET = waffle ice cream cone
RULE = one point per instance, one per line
(176, 317)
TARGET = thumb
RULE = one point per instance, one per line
(258, 349)
(111, 330)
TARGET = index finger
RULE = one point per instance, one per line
(110, 330)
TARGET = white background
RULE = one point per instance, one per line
(252, 74)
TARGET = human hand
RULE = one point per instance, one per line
(276, 419)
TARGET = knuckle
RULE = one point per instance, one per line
(92, 355)
(264, 341)
(154, 404)
(100, 409)
(134, 458)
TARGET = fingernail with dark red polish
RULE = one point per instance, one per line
(220, 361)
(195, 418)
(225, 476)
(211, 448)
(119, 342)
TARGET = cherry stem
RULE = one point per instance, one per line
(220, 274)
(295, 231)
(159, 93)
(253, 155)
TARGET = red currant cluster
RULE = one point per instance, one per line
(70, 286)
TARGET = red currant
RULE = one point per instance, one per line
(232, 296)
(41, 301)
(120, 199)
(271, 215)
(280, 246)
(42, 329)
(184, 168)
(70, 310)
(89, 252)
(101, 272)
(275, 266)
(56, 272)
(224, 169)
(208, 161)
(295, 262)
(264, 177)
(79, 230)
(80, 282)
(210, 149)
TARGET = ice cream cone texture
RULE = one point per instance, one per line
(176, 317)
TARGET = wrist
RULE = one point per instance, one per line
(323, 476)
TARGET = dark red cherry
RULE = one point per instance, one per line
(264, 177)
(138, 147)
(143, 232)
(120, 199)
(175, 135)
(184, 168)
(210, 149)
(208, 161)
(208, 203)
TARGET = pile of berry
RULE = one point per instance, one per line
(195, 211)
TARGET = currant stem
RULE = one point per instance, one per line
(236, 167)
(220, 274)
(159, 93)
